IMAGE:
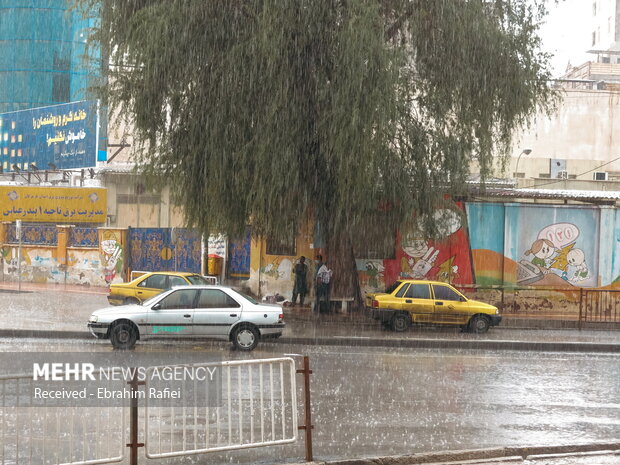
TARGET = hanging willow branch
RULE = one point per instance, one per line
(359, 114)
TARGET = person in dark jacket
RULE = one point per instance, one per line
(301, 281)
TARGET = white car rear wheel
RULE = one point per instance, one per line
(245, 338)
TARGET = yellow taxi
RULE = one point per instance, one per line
(149, 285)
(411, 301)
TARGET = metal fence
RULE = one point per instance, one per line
(561, 303)
(257, 408)
(254, 405)
(56, 435)
(600, 306)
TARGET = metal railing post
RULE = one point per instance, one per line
(134, 445)
(580, 307)
(307, 426)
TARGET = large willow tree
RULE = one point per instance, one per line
(356, 114)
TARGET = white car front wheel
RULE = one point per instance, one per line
(123, 336)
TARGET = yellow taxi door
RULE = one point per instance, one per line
(151, 286)
(417, 300)
(449, 305)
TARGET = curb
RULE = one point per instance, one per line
(455, 344)
(510, 453)
(365, 342)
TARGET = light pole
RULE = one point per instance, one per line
(524, 152)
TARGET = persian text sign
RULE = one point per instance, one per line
(53, 204)
(62, 135)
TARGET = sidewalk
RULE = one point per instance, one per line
(58, 311)
(46, 287)
(584, 454)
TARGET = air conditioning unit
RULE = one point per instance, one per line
(600, 176)
(562, 174)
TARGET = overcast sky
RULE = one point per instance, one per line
(567, 33)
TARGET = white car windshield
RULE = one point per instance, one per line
(152, 300)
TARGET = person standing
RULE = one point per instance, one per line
(323, 282)
(301, 281)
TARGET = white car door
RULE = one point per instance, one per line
(173, 315)
(215, 313)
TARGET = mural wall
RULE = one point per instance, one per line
(161, 249)
(239, 257)
(415, 257)
(489, 244)
(486, 244)
(63, 254)
(540, 245)
(273, 274)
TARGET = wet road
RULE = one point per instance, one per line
(69, 311)
(372, 402)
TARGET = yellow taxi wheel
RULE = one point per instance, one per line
(131, 300)
(400, 322)
(479, 324)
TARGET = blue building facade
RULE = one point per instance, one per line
(43, 54)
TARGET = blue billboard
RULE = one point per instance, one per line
(56, 137)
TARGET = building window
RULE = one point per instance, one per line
(600, 176)
(286, 246)
(61, 81)
(594, 9)
(594, 38)
(605, 59)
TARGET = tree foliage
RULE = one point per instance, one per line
(356, 113)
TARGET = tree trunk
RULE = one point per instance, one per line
(341, 260)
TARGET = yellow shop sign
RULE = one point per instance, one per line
(53, 204)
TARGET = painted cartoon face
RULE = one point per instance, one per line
(576, 257)
(545, 251)
(108, 246)
(415, 247)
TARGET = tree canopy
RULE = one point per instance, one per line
(355, 113)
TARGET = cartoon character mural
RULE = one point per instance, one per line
(371, 273)
(278, 269)
(543, 250)
(447, 260)
(577, 266)
(554, 256)
(111, 255)
(419, 258)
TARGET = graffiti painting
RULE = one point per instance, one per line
(111, 251)
(554, 255)
(447, 260)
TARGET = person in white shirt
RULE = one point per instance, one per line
(323, 284)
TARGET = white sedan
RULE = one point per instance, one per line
(190, 311)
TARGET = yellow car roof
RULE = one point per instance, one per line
(171, 273)
(420, 281)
